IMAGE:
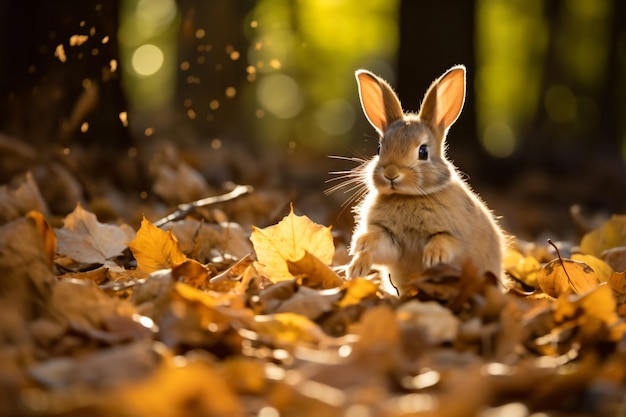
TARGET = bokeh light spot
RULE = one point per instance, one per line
(280, 95)
(499, 140)
(335, 117)
(147, 60)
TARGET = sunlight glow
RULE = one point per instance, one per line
(280, 95)
(335, 117)
(147, 60)
(499, 139)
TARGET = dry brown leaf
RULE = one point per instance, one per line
(178, 389)
(204, 241)
(191, 272)
(316, 273)
(288, 241)
(84, 239)
(47, 234)
(155, 249)
(439, 323)
(562, 277)
(290, 328)
(309, 302)
(610, 235)
(615, 258)
(16, 202)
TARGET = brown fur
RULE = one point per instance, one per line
(418, 213)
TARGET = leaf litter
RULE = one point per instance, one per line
(208, 319)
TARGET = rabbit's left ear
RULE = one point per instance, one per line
(380, 104)
(444, 100)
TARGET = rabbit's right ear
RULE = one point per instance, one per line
(380, 104)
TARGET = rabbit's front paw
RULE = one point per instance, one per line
(360, 266)
(440, 249)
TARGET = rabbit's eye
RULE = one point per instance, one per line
(422, 153)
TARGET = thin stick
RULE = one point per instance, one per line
(571, 283)
(188, 208)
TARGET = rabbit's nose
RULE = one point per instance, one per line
(391, 173)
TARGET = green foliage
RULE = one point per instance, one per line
(305, 54)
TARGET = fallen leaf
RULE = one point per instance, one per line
(356, 290)
(438, 322)
(16, 202)
(289, 328)
(561, 277)
(191, 272)
(316, 273)
(178, 388)
(155, 249)
(611, 234)
(602, 269)
(591, 309)
(309, 302)
(47, 234)
(615, 258)
(523, 268)
(288, 241)
(204, 241)
(86, 240)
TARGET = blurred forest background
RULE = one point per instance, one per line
(102, 100)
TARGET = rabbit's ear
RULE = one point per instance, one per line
(444, 100)
(380, 104)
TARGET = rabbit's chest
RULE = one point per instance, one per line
(414, 218)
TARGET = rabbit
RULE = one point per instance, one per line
(417, 211)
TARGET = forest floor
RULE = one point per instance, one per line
(118, 301)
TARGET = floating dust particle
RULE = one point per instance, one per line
(191, 114)
(113, 65)
(188, 102)
(124, 118)
(231, 92)
(214, 105)
(59, 52)
(192, 79)
(275, 64)
(254, 24)
(200, 33)
(78, 40)
(133, 152)
(149, 131)
(184, 66)
(105, 40)
(84, 127)
(216, 143)
(235, 55)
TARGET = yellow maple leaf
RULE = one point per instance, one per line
(155, 249)
(289, 240)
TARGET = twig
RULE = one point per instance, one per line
(188, 208)
(571, 283)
